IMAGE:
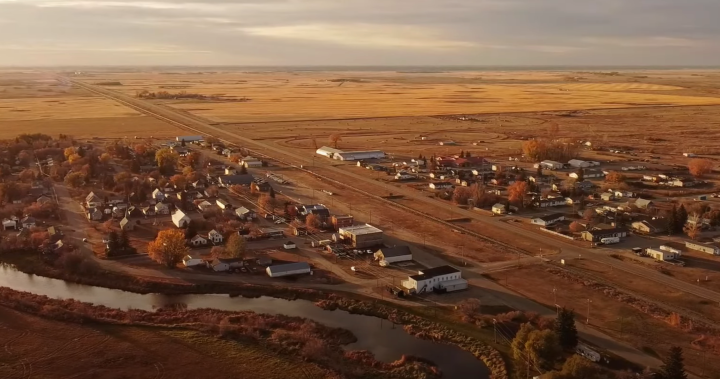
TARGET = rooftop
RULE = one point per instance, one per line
(361, 229)
(549, 217)
(435, 271)
(396, 251)
(289, 267)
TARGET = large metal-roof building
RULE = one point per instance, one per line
(362, 235)
(326, 151)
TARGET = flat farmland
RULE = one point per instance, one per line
(39, 348)
(292, 96)
(37, 103)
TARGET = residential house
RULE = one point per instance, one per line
(193, 261)
(158, 195)
(134, 211)
(548, 220)
(641, 203)
(204, 205)
(180, 219)
(148, 211)
(219, 266)
(9, 224)
(223, 204)
(162, 209)
(551, 202)
(597, 235)
(551, 165)
(199, 184)
(654, 226)
(607, 196)
(588, 174)
(232, 180)
(709, 249)
(92, 200)
(619, 194)
(198, 240)
(94, 214)
(441, 185)
(499, 209)
(244, 213)
(215, 237)
(107, 210)
(126, 224)
(42, 200)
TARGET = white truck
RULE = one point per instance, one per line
(609, 240)
(671, 250)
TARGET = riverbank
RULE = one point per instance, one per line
(419, 325)
(291, 336)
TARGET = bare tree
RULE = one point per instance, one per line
(335, 138)
(693, 228)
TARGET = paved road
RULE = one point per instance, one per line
(502, 294)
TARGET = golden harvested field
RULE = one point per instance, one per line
(290, 96)
(36, 103)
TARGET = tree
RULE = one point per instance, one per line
(140, 149)
(105, 158)
(577, 367)
(235, 247)
(461, 195)
(615, 177)
(672, 220)
(673, 367)
(178, 181)
(682, 218)
(516, 193)
(267, 203)
(694, 226)
(68, 152)
(212, 190)
(543, 348)
(190, 231)
(194, 159)
(166, 159)
(113, 243)
(168, 248)
(187, 170)
(123, 240)
(580, 174)
(565, 329)
(700, 167)
(576, 227)
(335, 138)
(75, 179)
(312, 222)
(271, 193)
(520, 340)
(218, 252)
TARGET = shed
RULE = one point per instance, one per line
(9, 224)
(288, 269)
(328, 152)
(289, 245)
(499, 209)
(394, 254)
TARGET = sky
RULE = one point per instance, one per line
(359, 32)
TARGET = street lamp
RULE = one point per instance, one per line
(588, 311)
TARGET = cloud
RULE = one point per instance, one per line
(367, 35)
(656, 41)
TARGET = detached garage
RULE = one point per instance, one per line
(393, 254)
(288, 269)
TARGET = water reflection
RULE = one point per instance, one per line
(387, 341)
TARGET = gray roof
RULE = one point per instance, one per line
(396, 251)
(289, 267)
(246, 179)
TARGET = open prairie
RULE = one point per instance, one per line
(305, 95)
(37, 103)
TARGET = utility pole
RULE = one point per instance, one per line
(495, 329)
(557, 309)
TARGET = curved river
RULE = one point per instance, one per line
(387, 341)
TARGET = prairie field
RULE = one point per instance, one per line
(295, 96)
(37, 103)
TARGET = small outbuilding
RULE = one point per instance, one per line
(288, 269)
(289, 245)
(499, 209)
(394, 254)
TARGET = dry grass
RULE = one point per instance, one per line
(104, 128)
(281, 96)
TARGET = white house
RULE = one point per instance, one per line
(709, 249)
(244, 213)
(92, 200)
(198, 240)
(499, 209)
(9, 224)
(548, 219)
(551, 165)
(441, 185)
(162, 209)
(215, 237)
(393, 254)
(190, 261)
(287, 269)
(158, 195)
(180, 219)
(588, 174)
(442, 279)
(660, 255)
(223, 204)
(230, 170)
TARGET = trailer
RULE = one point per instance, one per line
(609, 240)
(671, 249)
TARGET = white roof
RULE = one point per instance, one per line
(326, 149)
(179, 216)
(360, 229)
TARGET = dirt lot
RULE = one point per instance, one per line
(40, 348)
(613, 317)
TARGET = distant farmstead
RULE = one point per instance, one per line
(188, 138)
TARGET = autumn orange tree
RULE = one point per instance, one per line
(461, 195)
(700, 167)
(615, 177)
(178, 181)
(516, 193)
(267, 203)
(312, 222)
(576, 227)
(169, 247)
